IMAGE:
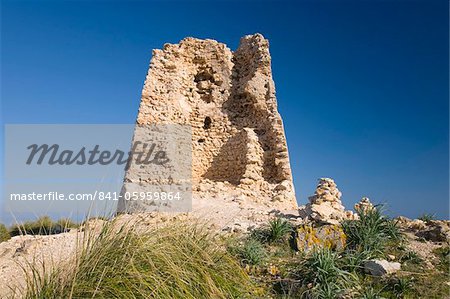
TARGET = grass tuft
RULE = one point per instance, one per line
(370, 293)
(251, 252)
(411, 257)
(427, 217)
(443, 254)
(275, 231)
(320, 271)
(402, 286)
(177, 261)
(371, 233)
(278, 229)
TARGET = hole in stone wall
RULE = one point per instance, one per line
(201, 140)
(207, 97)
(204, 76)
(207, 123)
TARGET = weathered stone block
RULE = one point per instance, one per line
(329, 236)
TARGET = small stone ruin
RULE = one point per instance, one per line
(325, 205)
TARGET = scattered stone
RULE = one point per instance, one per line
(417, 224)
(402, 221)
(381, 267)
(435, 231)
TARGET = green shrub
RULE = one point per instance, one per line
(42, 226)
(4, 234)
(93, 218)
(370, 293)
(278, 229)
(322, 271)
(426, 217)
(411, 257)
(352, 261)
(275, 231)
(443, 253)
(371, 233)
(177, 261)
(401, 286)
(251, 252)
(65, 224)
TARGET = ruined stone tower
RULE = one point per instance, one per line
(228, 100)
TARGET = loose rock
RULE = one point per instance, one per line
(381, 267)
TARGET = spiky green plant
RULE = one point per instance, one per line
(411, 257)
(278, 229)
(370, 293)
(353, 261)
(443, 254)
(176, 261)
(252, 252)
(371, 233)
(427, 217)
(401, 286)
(41, 226)
(65, 223)
(321, 270)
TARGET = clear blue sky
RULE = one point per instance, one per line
(362, 86)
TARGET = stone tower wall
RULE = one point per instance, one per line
(229, 101)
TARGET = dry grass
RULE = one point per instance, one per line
(176, 261)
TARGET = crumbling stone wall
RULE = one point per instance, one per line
(229, 101)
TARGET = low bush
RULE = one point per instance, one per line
(42, 226)
(276, 230)
(370, 293)
(401, 286)
(66, 223)
(352, 261)
(411, 257)
(371, 233)
(443, 254)
(4, 234)
(426, 217)
(251, 252)
(322, 275)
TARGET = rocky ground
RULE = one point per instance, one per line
(315, 223)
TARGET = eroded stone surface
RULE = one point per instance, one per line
(364, 205)
(328, 236)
